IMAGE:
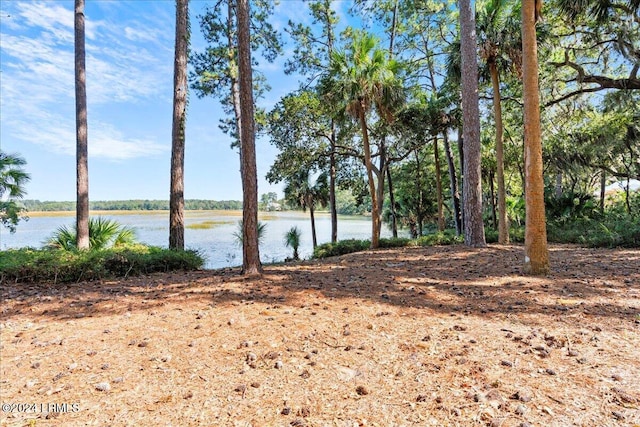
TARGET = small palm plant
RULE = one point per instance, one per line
(103, 233)
(292, 240)
(262, 227)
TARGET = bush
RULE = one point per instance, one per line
(610, 232)
(516, 235)
(447, 237)
(45, 265)
(342, 247)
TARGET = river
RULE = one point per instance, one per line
(210, 232)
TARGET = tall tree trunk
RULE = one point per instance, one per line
(453, 183)
(492, 190)
(420, 212)
(332, 157)
(503, 225)
(82, 144)
(313, 225)
(392, 202)
(176, 195)
(472, 188)
(536, 260)
(461, 156)
(233, 67)
(332, 185)
(436, 158)
(375, 215)
(250, 250)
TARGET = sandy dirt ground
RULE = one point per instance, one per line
(441, 336)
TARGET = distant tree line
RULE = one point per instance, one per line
(132, 205)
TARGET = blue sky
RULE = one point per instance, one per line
(129, 47)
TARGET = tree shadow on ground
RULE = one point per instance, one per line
(448, 279)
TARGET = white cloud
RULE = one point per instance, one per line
(37, 82)
(57, 133)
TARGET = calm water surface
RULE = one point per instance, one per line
(210, 232)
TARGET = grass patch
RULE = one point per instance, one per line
(206, 225)
(30, 265)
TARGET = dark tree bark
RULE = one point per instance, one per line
(332, 185)
(453, 183)
(436, 158)
(472, 188)
(250, 250)
(392, 202)
(82, 150)
(176, 195)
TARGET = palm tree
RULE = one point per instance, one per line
(472, 186)
(12, 181)
(250, 249)
(292, 240)
(302, 193)
(176, 195)
(362, 78)
(103, 233)
(82, 152)
(499, 48)
(536, 258)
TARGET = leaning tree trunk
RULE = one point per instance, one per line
(250, 251)
(536, 260)
(453, 183)
(176, 195)
(503, 225)
(313, 224)
(472, 188)
(375, 215)
(82, 145)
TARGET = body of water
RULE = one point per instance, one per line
(210, 232)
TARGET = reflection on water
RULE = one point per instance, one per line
(210, 232)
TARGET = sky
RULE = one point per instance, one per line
(129, 60)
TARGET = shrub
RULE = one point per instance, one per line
(292, 240)
(45, 265)
(340, 248)
(103, 233)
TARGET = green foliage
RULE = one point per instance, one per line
(41, 265)
(103, 233)
(609, 232)
(614, 228)
(516, 235)
(516, 210)
(447, 237)
(262, 228)
(340, 248)
(570, 206)
(292, 240)
(12, 181)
